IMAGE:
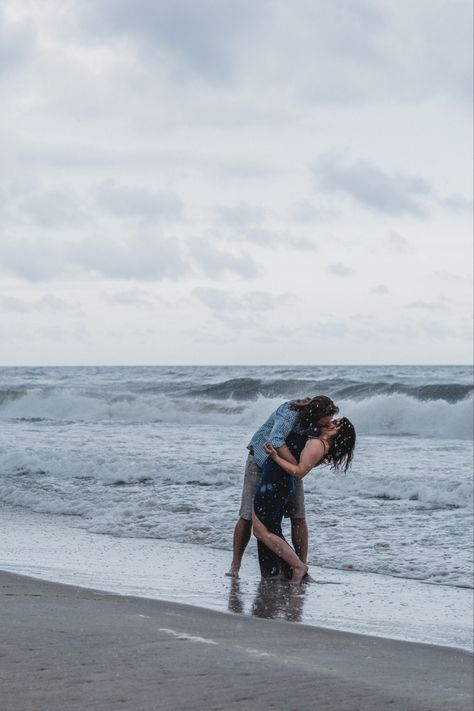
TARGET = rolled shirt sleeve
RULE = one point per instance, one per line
(285, 420)
(275, 430)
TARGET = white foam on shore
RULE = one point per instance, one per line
(48, 548)
(188, 637)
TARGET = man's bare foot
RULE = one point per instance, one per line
(308, 579)
(233, 572)
(299, 573)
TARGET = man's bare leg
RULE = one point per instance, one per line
(299, 538)
(242, 532)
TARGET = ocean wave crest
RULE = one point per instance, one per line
(253, 388)
(381, 414)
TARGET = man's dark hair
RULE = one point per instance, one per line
(312, 409)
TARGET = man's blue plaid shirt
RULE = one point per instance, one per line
(275, 430)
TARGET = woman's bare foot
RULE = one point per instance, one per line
(299, 573)
(233, 572)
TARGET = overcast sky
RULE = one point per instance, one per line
(236, 181)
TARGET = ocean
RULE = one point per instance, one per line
(159, 453)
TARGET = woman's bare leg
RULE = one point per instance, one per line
(280, 547)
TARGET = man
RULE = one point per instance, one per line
(302, 416)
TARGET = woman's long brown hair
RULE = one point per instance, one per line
(341, 450)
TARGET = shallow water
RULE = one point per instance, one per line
(159, 453)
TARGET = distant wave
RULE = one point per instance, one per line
(10, 394)
(373, 411)
(252, 388)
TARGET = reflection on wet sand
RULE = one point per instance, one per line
(279, 599)
(235, 600)
(274, 599)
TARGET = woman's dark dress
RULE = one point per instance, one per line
(271, 499)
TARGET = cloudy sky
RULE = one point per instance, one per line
(235, 181)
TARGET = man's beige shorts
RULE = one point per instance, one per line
(295, 507)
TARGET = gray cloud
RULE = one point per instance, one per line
(336, 53)
(207, 334)
(323, 329)
(306, 213)
(453, 279)
(48, 302)
(215, 262)
(258, 301)
(263, 301)
(415, 331)
(436, 330)
(240, 215)
(372, 52)
(52, 209)
(333, 329)
(315, 52)
(398, 243)
(371, 187)
(146, 205)
(216, 299)
(144, 256)
(341, 270)
(46, 259)
(243, 312)
(427, 306)
(379, 289)
(17, 41)
(130, 297)
(259, 236)
(199, 36)
(457, 204)
(61, 334)
(225, 307)
(263, 237)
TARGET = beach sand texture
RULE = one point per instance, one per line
(54, 549)
(71, 648)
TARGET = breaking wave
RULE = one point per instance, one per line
(252, 388)
(373, 412)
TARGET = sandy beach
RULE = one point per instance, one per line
(92, 621)
(64, 647)
(58, 549)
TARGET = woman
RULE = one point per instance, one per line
(333, 446)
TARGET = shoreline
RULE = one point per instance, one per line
(84, 649)
(20, 580)
(50, 548)
(278, 588)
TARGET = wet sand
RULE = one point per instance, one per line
(67, 648)
(55, 549)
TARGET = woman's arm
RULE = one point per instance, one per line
(285, 454)
(312, 454)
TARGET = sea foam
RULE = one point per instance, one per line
(373, 415)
